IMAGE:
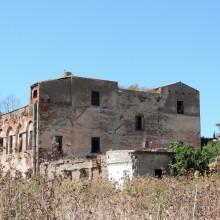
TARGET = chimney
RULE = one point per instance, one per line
(67, 74)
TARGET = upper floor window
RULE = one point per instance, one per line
(139, 123)
(180, 107)
(96, 145)
(35, 94)
(95, 99)
(58, 143)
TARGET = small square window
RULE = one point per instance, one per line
(146, 144)
(95, 98)
(158, 173)
(95, 145)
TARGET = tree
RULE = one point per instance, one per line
(9, 104)
(134, 87)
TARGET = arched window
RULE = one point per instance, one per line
(19, 139)
(30, 135)
(9, 147)
(1, 141)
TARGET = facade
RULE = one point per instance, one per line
(74, 117)
(124, 165)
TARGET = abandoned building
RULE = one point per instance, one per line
(76, 117)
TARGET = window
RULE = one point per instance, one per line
(146, 144)
(139, 123)
(10, 144)
(20, 142)
(158, 173)
(95, 98)
(35, 94)
(180, 107)
(1, 140)
(95, 145)
(59, 143)
(1, 144)
(30, 141)
(29, 136)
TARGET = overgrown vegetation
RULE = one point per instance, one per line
(187, 159)
(168, 198)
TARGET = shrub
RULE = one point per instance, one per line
(211, 151)
(187, 159)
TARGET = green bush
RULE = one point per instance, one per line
(187, 159)
(211, 151)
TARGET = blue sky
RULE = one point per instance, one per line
(147, 42)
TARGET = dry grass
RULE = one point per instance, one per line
(168, 198)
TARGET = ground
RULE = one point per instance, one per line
(167, 198)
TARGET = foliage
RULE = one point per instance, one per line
(143, 198)
(211, 150)
(134, 87)
(206, 140)
(187, 159)
(9, 104)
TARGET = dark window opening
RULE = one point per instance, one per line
(30, 143)
(180, 107)
(158, 173)
(83, 174)
(1, 144)
(95, 145)
(95, 98)
(139, 123)
(146, 144)
(35, 94)
(10, 144)
(59, 143)
(20, 143)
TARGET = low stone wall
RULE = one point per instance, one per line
(75, 169)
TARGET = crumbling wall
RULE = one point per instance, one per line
(18, 159)
(124, 165)
(162, 123)
(182, 127)
(75, 169)
(65, 110)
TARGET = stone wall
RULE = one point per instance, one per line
(124, 165)
(65, 110)
(16, 127)
(75, 169)
(162, 123)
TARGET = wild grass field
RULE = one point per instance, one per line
(168, 198)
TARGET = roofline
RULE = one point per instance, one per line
(17, 109)
(178, 82)
(72, 76)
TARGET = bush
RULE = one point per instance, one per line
(187, 159)
(211, 151)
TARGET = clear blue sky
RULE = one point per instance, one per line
(147, 42)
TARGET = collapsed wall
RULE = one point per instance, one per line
(75, 169)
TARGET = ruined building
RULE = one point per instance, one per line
(75, 117)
